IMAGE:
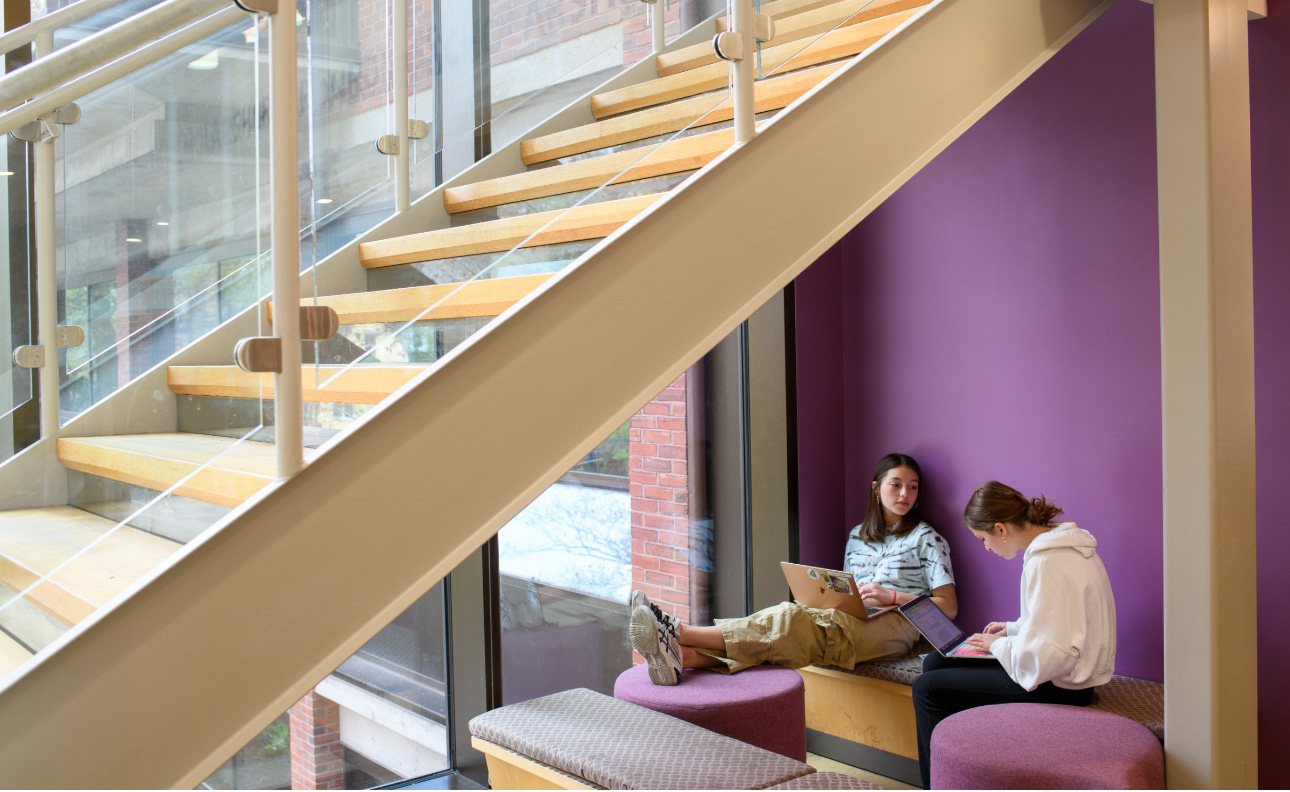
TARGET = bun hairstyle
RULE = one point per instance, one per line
(874, 528)
(998, 503)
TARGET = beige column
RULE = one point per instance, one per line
(1207, 361)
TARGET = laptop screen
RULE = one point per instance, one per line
(932, 622)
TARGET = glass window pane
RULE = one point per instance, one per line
(630, 515)
(379, 718)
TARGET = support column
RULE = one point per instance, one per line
(317, 761)
(1207, 369)
(659, 477)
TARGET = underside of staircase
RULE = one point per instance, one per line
(604, 303)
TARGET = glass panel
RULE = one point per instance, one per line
(345, 110)
(543, 54)
(570, 560)
(379, 718)
(160, 189)
(421, 93)
(16, 384)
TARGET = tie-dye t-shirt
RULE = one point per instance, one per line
(914, 563)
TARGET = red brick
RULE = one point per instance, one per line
(674, 568)
(673, 509)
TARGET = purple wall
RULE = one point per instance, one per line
(1270, 129)
(1000, 319)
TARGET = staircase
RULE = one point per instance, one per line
(481, 426)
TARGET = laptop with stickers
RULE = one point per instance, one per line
(817, 587)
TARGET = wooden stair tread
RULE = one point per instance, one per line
(361, 384)
(12, 655)
(675, 156)
(480, 298)
(227, 471)
(589, 221)
(841, 43)
(780, 9)
(794, 28)
(104, 558)
(772, 94)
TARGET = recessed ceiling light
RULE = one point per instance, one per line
(6, 173)
(324, 200)
(133, 239)
(162, 223)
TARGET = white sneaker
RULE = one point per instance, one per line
(658, 644)
(639, 600)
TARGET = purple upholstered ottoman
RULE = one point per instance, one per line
(763, 706)
(1044, 746)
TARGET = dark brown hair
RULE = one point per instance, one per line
(998, 503)
(874, 528)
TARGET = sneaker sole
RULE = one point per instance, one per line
(644, 637)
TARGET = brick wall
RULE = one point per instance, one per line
(659, 475)
(316, 754)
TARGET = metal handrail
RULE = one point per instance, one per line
(61, 18)
(99, 48)
(153, 51)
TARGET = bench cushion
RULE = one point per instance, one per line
(1138, 700)
(618, 745)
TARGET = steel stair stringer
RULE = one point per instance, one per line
(163, 687)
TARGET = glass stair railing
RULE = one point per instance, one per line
(530, 230)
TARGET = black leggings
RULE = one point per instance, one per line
(950, 685)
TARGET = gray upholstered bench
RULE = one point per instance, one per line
(580, 739)
(872, 707)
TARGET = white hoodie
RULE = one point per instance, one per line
(1066, 632)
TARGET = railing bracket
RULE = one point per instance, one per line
(29, 357)
(69, 336)
(418, 130)
(763, 27)
(729, 46)
(43, 130)
(388, 144)
(318, 322)
(259, 355)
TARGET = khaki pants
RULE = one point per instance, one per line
(793, 636)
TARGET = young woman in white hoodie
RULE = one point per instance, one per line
(1063, 642)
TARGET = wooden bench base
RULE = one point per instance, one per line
(871, 712)
(509, 770)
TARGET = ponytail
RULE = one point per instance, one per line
(998, 503)
(1040, 512)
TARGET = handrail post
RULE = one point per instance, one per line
(743, 69)
(658, 20)
(402, 160)
(284, 190)
(46, 266)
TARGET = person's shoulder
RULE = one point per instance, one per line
(924, 533)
